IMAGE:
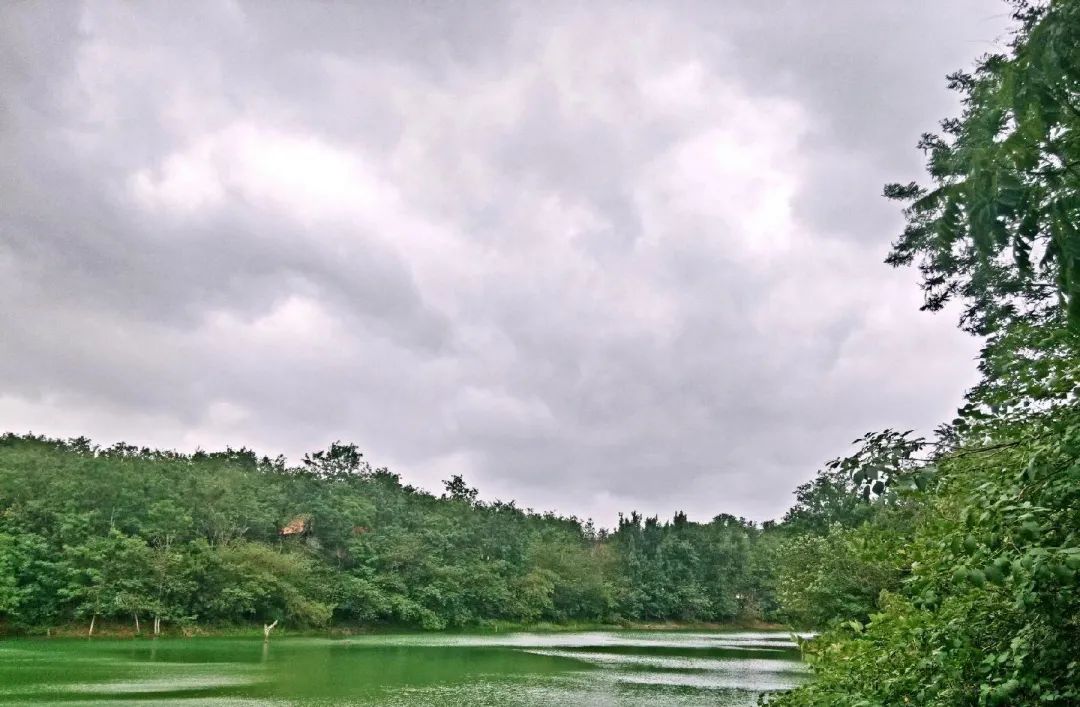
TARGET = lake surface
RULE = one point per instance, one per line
(587, 668)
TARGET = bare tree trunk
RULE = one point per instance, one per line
(92, 620)
(267, 628)
(157, 625)
(137, 629)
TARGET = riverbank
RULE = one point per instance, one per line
(105, 629)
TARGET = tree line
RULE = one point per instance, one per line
(161, 540)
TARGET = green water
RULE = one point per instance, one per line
(587, 668)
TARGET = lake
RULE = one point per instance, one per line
(582, 668)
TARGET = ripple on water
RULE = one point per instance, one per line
(594, 668)
(674, 639)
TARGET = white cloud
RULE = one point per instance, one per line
(592, 257)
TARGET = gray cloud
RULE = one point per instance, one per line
(594, 257)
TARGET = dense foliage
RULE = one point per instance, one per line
(968, 549)
(121, 533)
(999, 227)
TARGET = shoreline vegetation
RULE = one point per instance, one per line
(974, 535)
(120, 630)
(157, 541)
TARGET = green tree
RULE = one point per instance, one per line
(998, 228)
(987, 611)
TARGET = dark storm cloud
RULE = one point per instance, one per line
(594, 257)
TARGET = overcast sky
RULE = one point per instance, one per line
(593, 256)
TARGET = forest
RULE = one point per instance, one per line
(941, 569)
(124, 534)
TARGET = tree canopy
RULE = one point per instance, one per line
(972, 543)
(999, 225)
(89, 534)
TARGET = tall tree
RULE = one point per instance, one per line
(1000, 225)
